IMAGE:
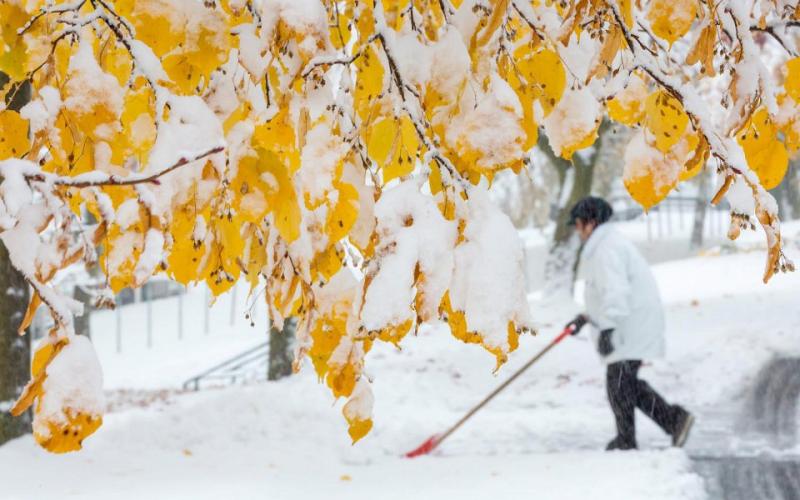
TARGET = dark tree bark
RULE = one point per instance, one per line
(15, 350)
(281, 347)
(18, 95)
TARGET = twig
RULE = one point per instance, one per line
(95, 180)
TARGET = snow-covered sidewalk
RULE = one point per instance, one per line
(540, 439)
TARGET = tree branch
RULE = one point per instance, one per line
(96, 179)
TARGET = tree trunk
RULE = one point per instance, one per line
(559, 271)
(15, 350)
(81, 323)
(792, 187)
(281, 347)
(700, 211)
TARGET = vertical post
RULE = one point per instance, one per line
(180, 316)
(149, 322)
(233, 306)
(118, 310)
(205, 311)
(669, 209)
(660, 220)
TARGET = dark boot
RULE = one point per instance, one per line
(618, 443)
(683, 426)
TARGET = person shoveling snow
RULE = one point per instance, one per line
(623, 303)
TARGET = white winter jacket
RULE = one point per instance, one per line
(621, 293)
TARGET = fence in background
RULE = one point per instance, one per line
(159, 312)
(674, 216)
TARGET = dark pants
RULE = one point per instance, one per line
(626, 392)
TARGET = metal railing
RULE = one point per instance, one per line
(249, 365)
(673, 214)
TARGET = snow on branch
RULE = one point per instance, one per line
(99, 179)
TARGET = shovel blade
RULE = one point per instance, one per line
(428, 446)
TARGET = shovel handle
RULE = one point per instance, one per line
(435, 441)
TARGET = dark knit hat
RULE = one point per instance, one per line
(590, 209)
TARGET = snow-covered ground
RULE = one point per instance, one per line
(542, 438)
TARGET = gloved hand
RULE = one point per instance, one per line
(577, 323)
(604, 345)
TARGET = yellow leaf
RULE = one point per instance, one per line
(14, 140)
(766, 154)
(115, 59)
(626, 6)
(402, 161)
(408, 135)
(567, 150)
(665, 119)
(283, 201)
(703, 49)
(498, 14)
(358, 429)
(544, 72)
(340, 27)
(393, 10)
(138, 122)
(255, 262)
(628, 106)
(358, 410)
(342, 380)
(608, 52)
(13, 50)
(649, 174)
(223, 268)
(574, 122)
(121, 253)
(792, 82)
(671, 19)
(186, 254)
(94, 98)
(369, 81)
(326, 335)
(33, 305)
(63, 437)
(191, 42)
(382, 138)
(327, 263)
(695, 165)
(344, 214)
(395, 333)
(54, 435)
(525, 95)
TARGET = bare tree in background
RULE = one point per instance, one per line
(700, 211)
(609, 166)
(788, 191)
(576, 182)
(526, 198)
(281, 348)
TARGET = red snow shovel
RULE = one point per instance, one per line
(434, 441)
